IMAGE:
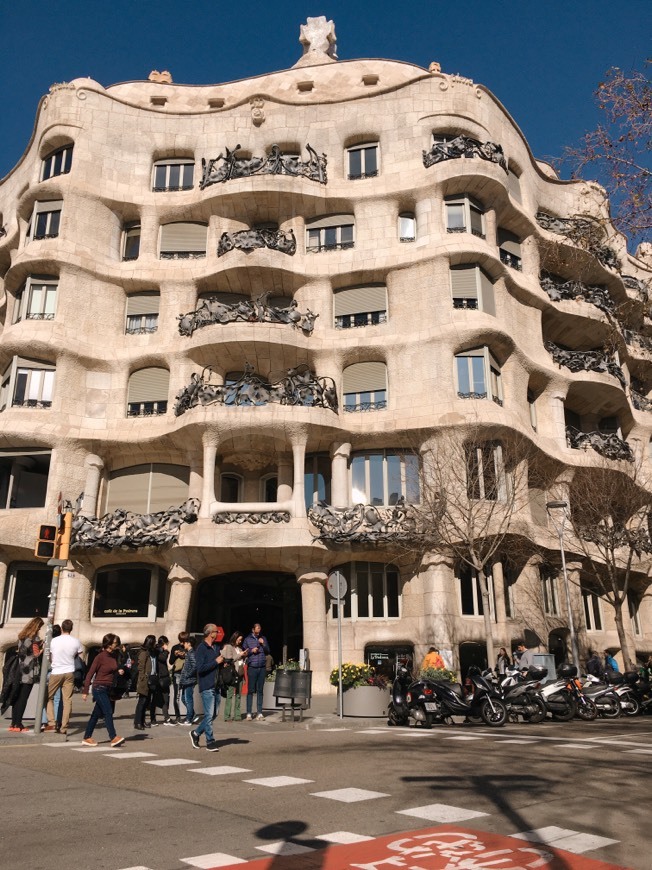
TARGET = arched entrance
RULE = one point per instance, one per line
(237, 601)
(557, 645)
(472, 654)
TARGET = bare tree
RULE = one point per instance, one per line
(473, 484)
(609, 522)
(618, 150)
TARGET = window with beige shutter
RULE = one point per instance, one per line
(364, 386)
(472, 288)
(183, 241)
(147, 488)
(360, 306)
(509, 246)
(147, 393)
(142, 313)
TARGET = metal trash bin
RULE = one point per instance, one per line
(283, 684)
(302, 686)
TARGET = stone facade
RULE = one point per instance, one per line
(366, 242)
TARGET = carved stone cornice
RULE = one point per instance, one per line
(245, 311)
(124, 529)
(363, 523)
(262, 518)
(298, 386)
(249, 240)
(464, 146)
(228, 166)
(582, 232)
(611, 446)
(585, 360)
(558, 289)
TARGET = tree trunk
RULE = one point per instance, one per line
(488, 626)
(622, 635)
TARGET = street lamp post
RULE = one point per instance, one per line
(563, 506)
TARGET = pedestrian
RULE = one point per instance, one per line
(63, 652)
(188, 679)
(594, 665)
(208, 659)
(29, 652)
(610, 663)
(146, 684)
(176, 660)
(58, 712)
(162, 694)
(433, 659)
(233, 655)
(503, 661)
(525, 657)
(102, 673)
(256, 648)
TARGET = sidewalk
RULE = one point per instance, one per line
(321, 714)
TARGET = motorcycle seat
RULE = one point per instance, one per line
(457, 688)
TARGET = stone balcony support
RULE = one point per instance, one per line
(210, 474)
(284, 487)
(315, 629)
(183, 580)
(299, 461)
(340, 490)
(94, 466)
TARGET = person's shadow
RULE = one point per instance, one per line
(290, 832)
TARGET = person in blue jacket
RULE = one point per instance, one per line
(255, 647)
(208, 658)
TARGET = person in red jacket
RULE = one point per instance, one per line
(103, 673)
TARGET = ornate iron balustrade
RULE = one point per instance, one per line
(263, 518)
(582, 232)
(495, 399)
(141, 330)
(130, 259)
(380, 405)
(467, 304)
(147, 409)
(357, 175)
(633, 338)
(39, 316)
(464, 146)
(41, 236)
(609, 445)
(474, 232)
(173, 189)
(363, 523)
(124, 529)
(511, 260)
(334, 246)
(639, 286)
(30, 403)
(558, 289)
(639, 401)
(362, 318)
(181, 255)
(585, 361)
(298, 386)
(249, 240)
(228, 166)
(245, 311)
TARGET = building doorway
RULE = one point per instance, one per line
(236, 601)
(557, 646)
(472, 654)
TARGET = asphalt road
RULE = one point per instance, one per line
(586, 784)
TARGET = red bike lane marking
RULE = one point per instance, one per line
(442, 848)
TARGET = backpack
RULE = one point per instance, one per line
(226, 675)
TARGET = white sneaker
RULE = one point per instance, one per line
(248, 717)
(260, 716)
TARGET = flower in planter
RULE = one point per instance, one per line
(356, 675)
(440, 674)
(290, 665)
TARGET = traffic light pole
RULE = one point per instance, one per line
(62, 549)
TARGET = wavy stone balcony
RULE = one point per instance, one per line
(250, 240)
(585, 361)
(226, 167)
(123, 529)
(364, 523)
(558, 290)
(213, 311)
(609, 445)
(583, 233)
(464, 146)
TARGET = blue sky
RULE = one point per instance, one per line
(541, 59)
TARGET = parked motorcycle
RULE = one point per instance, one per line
(603, 696)
(520, 692)
(428, 701)
(559, 698)
(640, 689)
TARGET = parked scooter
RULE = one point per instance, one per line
(603, 696)
(641, 689)
(559, 698)
(520, 692)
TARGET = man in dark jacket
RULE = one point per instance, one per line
(256, 649)
(594, 665)
(208, 660)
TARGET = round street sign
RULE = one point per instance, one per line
(336, 585)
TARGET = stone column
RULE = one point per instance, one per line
(340, 494)
(299, 462)
(556, 401)
(94, 466)
(208, 487)
(4, 565)
(183, 579)
(315, 630)
(440, 609)
(196, 484)
(284, 490)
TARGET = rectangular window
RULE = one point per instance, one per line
(382, 477)
(373, 592)
(171, 175)
(28, 592)
(549, 590)
(472, 288)
(592, 611)
(330, 234)
(633, 606)
(57, 163)
(142, 313)
(30, 384)
(470, 592)
(37, 300)
(407, 227)
(363, 162)
(317, 479)
(124, 593)
(45, 221)
(464, 215)
(478, 375)
(23, 478)
(485, 472)
(131, 242)
(360, 306)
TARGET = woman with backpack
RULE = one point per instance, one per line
(30, 650)
(147, 683)
(231, 674)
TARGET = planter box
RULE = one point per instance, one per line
(366, 702)
(269, 701)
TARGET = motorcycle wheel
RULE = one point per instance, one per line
(586, 710)
(570, 711)
(610, 708)
(537, 711)
(633, 707)
(429, 720)
(393, 718)
(495, 717)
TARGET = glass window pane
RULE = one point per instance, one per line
(58, 162)
(477, 368)
(597, 621)
(377, 597)
(412, 488)
(347, 233)
(55, 217)
(159, 176)
(330, 236)
(463, 382)
(122, 592)
(68, 159)
(455, 215)
(48, 385)
(392, 594)
(41, 225)
(31, 593)
(370, 160)
(358, 487)
(187, 174)
(308, 488)
(376, 487)
(476, 221)
(394, 487)
(50, 299)
(466, 591)
(36, 299)
(362, 585)
(230, 487)
(355, 163)
(47, 168)
(174, 175)
(34, 384)
(313, 238)
(407, 227)
(21, 386)
(478, 593)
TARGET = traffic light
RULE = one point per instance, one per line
(63, 537)
(46, 545)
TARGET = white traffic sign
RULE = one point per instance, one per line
(336, 585)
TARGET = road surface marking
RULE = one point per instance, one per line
(349, 795)
(441, 813)
(222, 770)
(278, 781)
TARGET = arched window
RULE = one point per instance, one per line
(364, 386)
(147, 488)
(230, 488)
(147, 394)
(374, 591)
(269, 488)
(317, 479)
(57, 162)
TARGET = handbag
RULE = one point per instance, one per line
(152, 682)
